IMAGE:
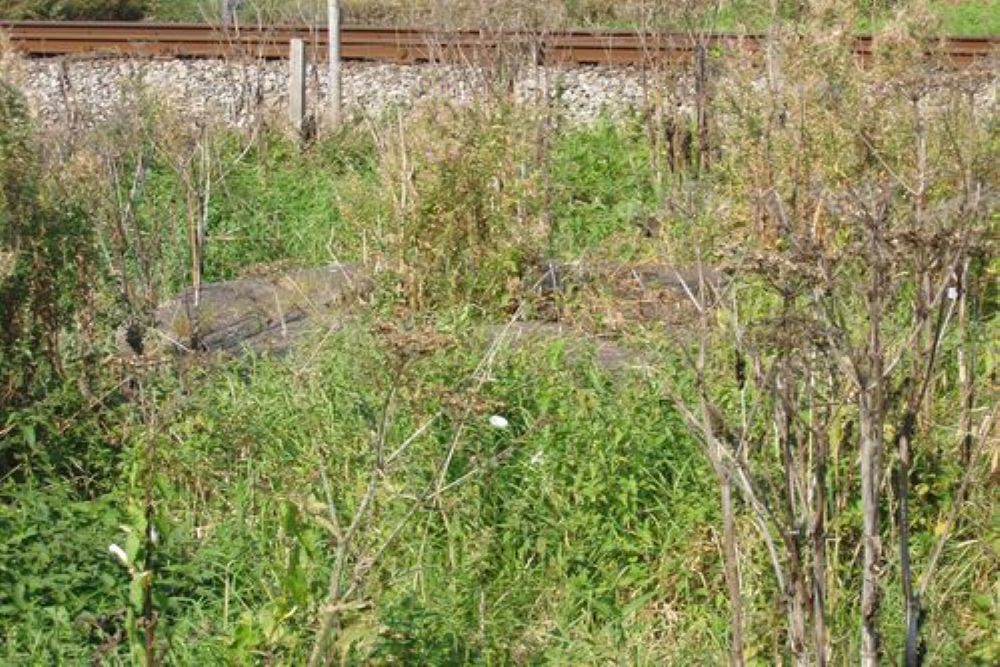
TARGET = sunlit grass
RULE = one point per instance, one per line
(957, 17)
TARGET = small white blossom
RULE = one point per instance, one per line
(119, 553)
(952, 293)
(497, 421)
(537, 458)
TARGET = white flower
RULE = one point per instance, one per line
(497, 421)
(537, 458)
(119, 553)
(952, 293)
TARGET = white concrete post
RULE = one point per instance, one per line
(297, 85)
(333, 64)
(229, 8)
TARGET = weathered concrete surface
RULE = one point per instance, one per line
(621, 293)
(271, 314)
(256, 314)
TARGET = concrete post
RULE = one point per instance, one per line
(297, 86)
(333, 62)
(229, 8)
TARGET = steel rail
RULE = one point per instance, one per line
(401, 45)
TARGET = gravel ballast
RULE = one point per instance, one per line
(86, 91)
(239, 94)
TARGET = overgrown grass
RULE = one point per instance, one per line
(241, 562)
(957, 17)
(582, 530)
(274, 202)
(592, 512)
(339, 202)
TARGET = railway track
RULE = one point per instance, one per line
(399, 45)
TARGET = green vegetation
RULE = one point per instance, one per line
(74, 10)
(354, 501)
(243, 559)
(955, 17)
(952, 17)
(979, 17)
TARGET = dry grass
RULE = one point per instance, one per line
(489, 14)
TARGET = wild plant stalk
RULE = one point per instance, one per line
(149, 612)
(723, 454)
(668, 127)
(777, 384)
(835, 252)
(230, 12)
(344, 540)
(340, 597)
(820, 416)
(700, 17)
(730, 554)
(868, 367)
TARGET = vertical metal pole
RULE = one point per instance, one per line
(229, 8)
(333, 63)
(297, 86)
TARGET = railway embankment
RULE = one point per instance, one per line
(241, 94)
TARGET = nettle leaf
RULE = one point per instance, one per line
(245, 636)
(28, 435)
(133, 545)
(137, 518)
(136, 592)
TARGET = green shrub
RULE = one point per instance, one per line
(61, 596)
(47, 254)
(552, 556)
(603, 183)
(466, 189)
(46, 244)
(582, 533)
(74, 10)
